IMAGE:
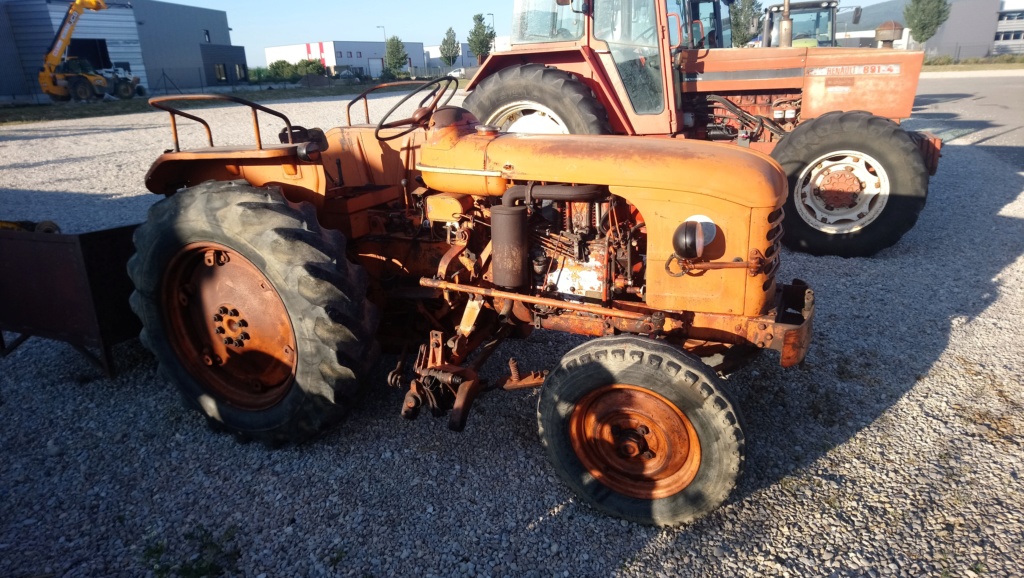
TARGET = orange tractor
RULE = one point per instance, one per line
(654, 68)
(268, 274)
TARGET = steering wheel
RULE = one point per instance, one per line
(438, 88)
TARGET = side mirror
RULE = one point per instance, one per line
(856, 14)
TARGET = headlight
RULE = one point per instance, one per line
(692, 236)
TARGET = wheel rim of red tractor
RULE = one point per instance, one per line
(228, 326)
(635, 441)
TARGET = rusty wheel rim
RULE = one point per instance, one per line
(228, 326)
(635, 441)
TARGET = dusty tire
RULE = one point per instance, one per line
(124, 90)
(536, 98)
(641, 430)
(857, 184)
(80, 89)
(227, 261)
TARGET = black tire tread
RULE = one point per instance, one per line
(291, 243)
(549, 86)
(692, 372)
(798, 147)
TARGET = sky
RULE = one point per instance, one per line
(256, 24)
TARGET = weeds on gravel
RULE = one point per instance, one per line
(213, 555)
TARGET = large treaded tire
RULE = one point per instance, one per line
(666, 381)
(80, 89)
(322, 294)
(572, 102)
(863, 133)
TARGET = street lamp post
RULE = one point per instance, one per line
(384, 61)
(494, 40)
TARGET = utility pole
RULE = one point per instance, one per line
(494, 41)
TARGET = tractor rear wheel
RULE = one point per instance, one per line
(80, 89)
(641, 430)
(857, 183)
(123, 90)
(252, 310)
(535, 98)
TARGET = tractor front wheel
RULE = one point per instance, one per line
(80, 89)
(252, 310)
(123, 90)
(534, 98)
(856, 184)
(641, 430)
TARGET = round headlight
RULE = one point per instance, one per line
(692, 236)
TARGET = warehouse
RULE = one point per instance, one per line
(359, 57)
(170, 47)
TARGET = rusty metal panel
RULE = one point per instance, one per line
(71, 288)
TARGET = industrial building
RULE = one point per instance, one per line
(168, 46)
(362, 58)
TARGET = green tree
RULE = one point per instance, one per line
(924, 17)
(311, 66)
(395, 57)
(743, 17)
(450, 48)
(480, 39)
(282, 70)
(259, 74)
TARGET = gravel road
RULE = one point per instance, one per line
(894, 452)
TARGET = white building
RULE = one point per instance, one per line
(363, 58)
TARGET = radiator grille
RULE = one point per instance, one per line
(772, 253)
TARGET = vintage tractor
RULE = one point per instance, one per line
(269, 272)
(829, 116)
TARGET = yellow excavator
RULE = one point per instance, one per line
(73, 78)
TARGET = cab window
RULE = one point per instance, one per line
(630, 28)
(544, 21)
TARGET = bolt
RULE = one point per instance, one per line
(762, 326)
(233, 313)
(761, 344)
(219, 330)
(218, 317)
(287, 350)
(643, 430)
(223, 310)
(243, 323)
(228, 341)
(829, 208)
(207, 360)
(648, 455)
(239, 343)
(244, 336)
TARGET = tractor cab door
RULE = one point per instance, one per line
(629, 39)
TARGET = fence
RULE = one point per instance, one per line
(959, 51)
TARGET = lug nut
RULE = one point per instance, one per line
(223, 310)
(243, 323)
(218, 317)
(648, 455)
(239, 343)
(233, 313)
(643, 430)
(219, 330)
(244, 336)
(228, 341)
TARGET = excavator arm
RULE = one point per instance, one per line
(54, 57)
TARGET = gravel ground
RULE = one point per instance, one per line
(894, 452)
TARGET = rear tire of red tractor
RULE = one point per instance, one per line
(252, 310)
(641, 430)
(857, 184)
(535, 98)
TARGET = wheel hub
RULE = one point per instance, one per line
(228, 326)
(842, 192)
(635, 441)
(839, 188)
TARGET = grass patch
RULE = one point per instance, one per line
(22, 113)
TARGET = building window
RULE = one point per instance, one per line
(359, 54)
(240, 72)
(339, 54)
(221, 72)
(349, 54)
(1017, 35)
(206, 35)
